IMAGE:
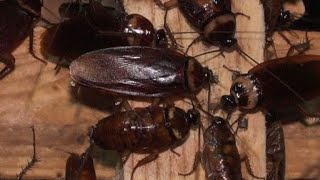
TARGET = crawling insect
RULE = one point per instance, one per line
(89, 27)
(150, 130)
(220, 156)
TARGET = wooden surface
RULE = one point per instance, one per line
(34, 95)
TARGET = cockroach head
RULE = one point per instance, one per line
(193, 117)
(229, 44)
(245, 93)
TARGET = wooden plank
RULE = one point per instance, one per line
(34, 95)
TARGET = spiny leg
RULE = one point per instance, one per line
(8, 60)
(146, 160)
(31, 50)
(33, 160)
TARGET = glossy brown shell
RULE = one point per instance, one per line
(15, 26)
(200, 12)
(143, 130)
(301, 73)
(136, 71)
(74, 162)
(220, 155)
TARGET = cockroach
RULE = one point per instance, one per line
(80, 167)
(142, 72)
(149, 130)
(310, 20)
(275, 149)
(16, 23)
(220, 156)
(34, 159)
(89, 27)
(289, 83)
(214, 20)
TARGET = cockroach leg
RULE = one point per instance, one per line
(235, 73)
(125, 156)
(174, 152)
(300, 47)
(175, 44)
(33, 160)
(195, 41)
(146, 160)
(8, 60)
(167, 5)
(125, 104)
(31, 50)
(241, 14)
(195, 164)
(246, 160)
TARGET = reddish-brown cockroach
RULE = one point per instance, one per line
(141, 71)
(275, 149)
(80, 167)
(149, 130)
(34, 159)
(89, 27)
(213, 19)
(290, 83)
(15, 29)
(220, 156)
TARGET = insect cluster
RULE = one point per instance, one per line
(123, 56)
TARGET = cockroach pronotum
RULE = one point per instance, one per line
(279, 85)
(141, 71)
(23, 16)
(214, 20)
(275, 149)
(89, 27)
(220, 156)
(33, 159)
(80, 167)
(149, 130)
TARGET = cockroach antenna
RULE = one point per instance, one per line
(34, 159)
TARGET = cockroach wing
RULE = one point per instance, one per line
(133, 71)
(289, 81)
(14, 29)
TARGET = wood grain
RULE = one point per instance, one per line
(34, 95)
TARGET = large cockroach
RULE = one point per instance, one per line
(275, 149)
(17, 19)
(80, 167)
(89, 27)
(220, 156)
(214, 20)
(279, 85)
(149, 130)
(141, 71)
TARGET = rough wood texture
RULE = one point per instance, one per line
(34, 95)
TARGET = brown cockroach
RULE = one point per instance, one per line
(141, 72)
(279, 85)
(220, 156)
(275, 149)
(80, 167)
(89, 27)
(150, 130)
(214, 21)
